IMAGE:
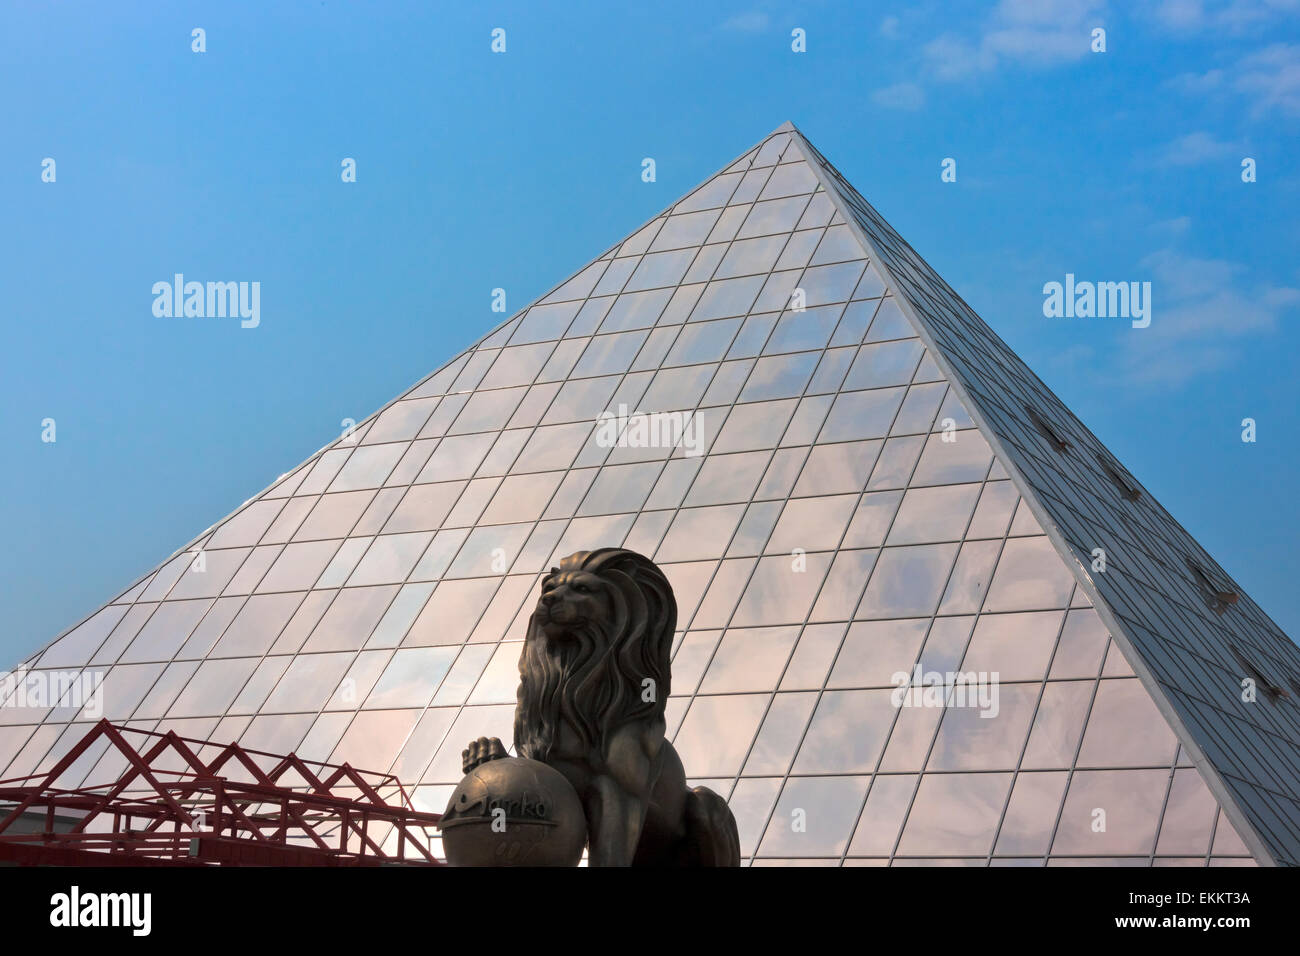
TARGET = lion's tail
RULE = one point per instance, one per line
(711, 830)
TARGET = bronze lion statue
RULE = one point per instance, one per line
(593, 679)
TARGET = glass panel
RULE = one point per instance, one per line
(847, 733)
(1058, 725)
(214, 687)
(984, 725)
(970, 577)
(247, 526)
(788, 180)
(1188, 818)
(609, 353)
(699, 533)
(955, 813)
(660, 269)
(774, 216)
(1031, 814)
(308, 683)
(455, 458)
(751, 803)
(750, 257)
(689, 229)
(1030, 575)
(814, 817)
(823, 284)
(368, 467)
(522, 497)
(350, 619)
(1019, 646)
(782, 730)
(751, 536)
(545, 322)
(933, 514)
(837, 245)
(166, 631)
(749, 659)
(907, 581)
(918, 411)
(727, 297)
(81, 642)
(812, 524)
(1111, 812)
(1125, 729)
(390, 558)
(997, 501)
(897, 459)
(888, 363)
(862, 415)
(843, 587)
(883, 816)
(487, 410)
(637, 310)
(753, 426)
(779, 377)
(965, 458)
(781, 590)
(452, 612)
(499, 682)
(888, 322)
(874, 653)
(254, 693)
(703, 342)
(812, 656)
(753, 333)
(717, 731)
(334, 515)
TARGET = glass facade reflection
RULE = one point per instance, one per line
(838, 527)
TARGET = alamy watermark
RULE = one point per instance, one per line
(1102, 300)
(920, 688)
(653, 430)
(211, 300)
(44, 689)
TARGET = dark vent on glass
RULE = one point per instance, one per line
(1046, 429)
(1272, 690)
(1218, 598)
(1127, 489)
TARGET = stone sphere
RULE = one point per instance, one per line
(514, 812)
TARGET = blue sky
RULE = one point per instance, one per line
(478, 170)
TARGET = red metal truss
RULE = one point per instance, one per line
(229, 810)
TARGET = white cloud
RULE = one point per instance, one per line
(1270, 78)
(889, 27)
(1174, 227)
(752, 21)
(1194, 149)
(1201, 309)
(1235, 16)
(900, 96)
(1031, 32)
(1196, 84)
(1181, 15)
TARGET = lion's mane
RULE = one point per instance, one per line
(596, 686)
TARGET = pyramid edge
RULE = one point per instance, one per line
(1210, 773)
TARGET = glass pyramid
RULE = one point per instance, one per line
(846, 476)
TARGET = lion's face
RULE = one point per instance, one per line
(571, 603)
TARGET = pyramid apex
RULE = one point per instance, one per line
(786, 127)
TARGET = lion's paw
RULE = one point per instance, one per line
(481, 751)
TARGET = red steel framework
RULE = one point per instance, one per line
(241, 808)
